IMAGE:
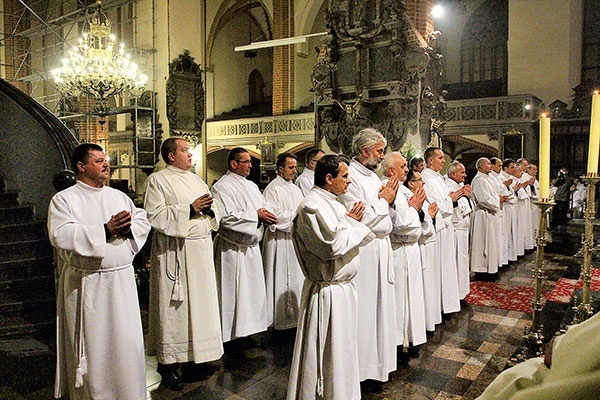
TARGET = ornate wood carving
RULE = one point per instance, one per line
(185, 97)
(369, 73)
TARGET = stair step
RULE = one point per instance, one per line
(26, 286)
(19, 357)
(11, 302)
(26, 268)
(38, 248)
(13, 326)
(18, 232)
(9, 199)
(15, 214)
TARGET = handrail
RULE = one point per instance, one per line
(61, 136)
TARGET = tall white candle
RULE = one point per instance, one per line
(592, 166)
(544, 170)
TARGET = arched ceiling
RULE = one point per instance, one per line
(255, 10)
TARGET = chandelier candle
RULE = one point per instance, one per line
(545, 156)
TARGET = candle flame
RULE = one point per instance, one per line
(543, 115)
(595, 92)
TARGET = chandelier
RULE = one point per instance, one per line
(94, 69)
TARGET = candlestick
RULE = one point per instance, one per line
(594, 135)
(584, 310)
(544, 167)
(534, 338)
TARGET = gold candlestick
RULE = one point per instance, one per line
(584, 310)
(534, 337)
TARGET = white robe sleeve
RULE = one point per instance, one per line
(68, 234)
(236, 219)
(169, 219)
(327, 239)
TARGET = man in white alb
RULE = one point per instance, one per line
(96, 231)
(283, 275)
(438, 192)
(407, 217)
(502, 188)
(328, 238)
(184, 326)
(461, 219)
(375, 281)
(238, 260)
(485, 252)
(306, 180)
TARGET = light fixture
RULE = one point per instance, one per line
(437, 11)
(94, 69)
(278, 42)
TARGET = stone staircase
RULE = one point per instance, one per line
(27, 298)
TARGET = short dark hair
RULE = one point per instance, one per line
(507, 162)
(282, 159)
(169, 146)
(430, 152)
(82, 153)
(311, 154)
(234, 153)
(495, 161)
(416, 160)
(328, 164)
(409, 176)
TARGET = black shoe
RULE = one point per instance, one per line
(191, 372)
(171, 381)
(371, 386)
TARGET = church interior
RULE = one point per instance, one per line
(274, 76)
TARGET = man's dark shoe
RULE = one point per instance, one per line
(171, 381)
(192, 372)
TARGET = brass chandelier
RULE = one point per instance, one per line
(94, 69)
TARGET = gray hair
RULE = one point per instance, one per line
(452, 167)
(367, 137)
(389, 160)
(480, 161)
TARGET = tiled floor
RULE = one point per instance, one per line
(460, 359)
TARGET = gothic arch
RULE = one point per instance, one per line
(484, 53)
(305, 19)
(230, 7)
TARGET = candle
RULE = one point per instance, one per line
(594, 135)
(544, 170)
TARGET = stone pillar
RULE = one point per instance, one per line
(419, 11)
(16, 49)
(283, 57)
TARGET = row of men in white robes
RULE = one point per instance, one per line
(506, 220)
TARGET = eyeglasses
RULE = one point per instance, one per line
(247, 162)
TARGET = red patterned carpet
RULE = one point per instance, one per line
(563, 291)
(497, 295)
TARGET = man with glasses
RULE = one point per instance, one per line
(238, 259)
(306, 180)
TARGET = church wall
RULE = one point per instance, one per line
(539, 30)
(544, 49)
(311, 18)
(232, 69)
